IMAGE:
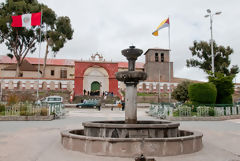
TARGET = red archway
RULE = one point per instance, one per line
(81, 67)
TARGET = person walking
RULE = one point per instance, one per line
(99, 101)
(123, 105)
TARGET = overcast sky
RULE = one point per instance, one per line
(108, 26)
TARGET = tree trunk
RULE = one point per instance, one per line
(18, 69)
(45, 60)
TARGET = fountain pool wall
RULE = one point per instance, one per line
(187, 142)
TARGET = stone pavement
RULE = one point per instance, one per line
(40, 140)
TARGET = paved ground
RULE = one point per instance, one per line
(40, 140)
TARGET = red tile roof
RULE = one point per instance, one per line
(60, 62)
(138, 65)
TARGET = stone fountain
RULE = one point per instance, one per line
(131, 137)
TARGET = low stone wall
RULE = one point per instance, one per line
(151, 99)
(209, 118)
(131, 147)
(26, 118)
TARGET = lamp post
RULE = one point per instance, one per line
(211, 21)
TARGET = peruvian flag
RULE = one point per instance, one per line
(27, 20)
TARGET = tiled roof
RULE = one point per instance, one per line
(138, 65)
(61, 62)
(26, 66)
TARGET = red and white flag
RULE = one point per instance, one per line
(27, 20)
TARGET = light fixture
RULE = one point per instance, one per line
(208, 11)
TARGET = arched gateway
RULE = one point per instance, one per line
(87, 72)
(96, 78)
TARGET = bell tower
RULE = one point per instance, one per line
(157, 65)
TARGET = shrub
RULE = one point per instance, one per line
(202, 93)
(176, 113)
(12, 99)
(2, 108)
(44, 112)
(211, 111)
(23, 110)
(26, 97)
(181, 92)
(225, 87)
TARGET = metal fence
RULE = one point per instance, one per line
(31, 109)
(183, 110)
(161, 110)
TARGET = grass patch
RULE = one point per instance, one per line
(146, 94)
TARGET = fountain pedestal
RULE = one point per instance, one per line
(131, 105)
(131, 79)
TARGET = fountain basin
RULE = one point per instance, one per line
(142, 129)
(186, 142)
(131, 76)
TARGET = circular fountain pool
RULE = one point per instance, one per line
(114, 138)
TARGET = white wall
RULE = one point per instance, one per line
(98, 74)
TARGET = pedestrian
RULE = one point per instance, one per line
(98, 105)
(123, 105)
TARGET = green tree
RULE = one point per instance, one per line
(56, 36)
(225, 87)
(181, 92)
(202, 50)
(20, 41)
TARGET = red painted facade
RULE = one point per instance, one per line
(81, 67)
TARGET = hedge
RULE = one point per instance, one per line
(202, 93)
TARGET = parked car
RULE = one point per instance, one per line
(88, 103)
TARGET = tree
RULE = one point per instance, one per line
(56, 36)
(20, 41)
(225, 87)
(202, 50)
(181, 92)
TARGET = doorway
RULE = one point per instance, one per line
(95, 88)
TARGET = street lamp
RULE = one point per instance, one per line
(211, 21)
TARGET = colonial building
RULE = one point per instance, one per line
(59, 74)
(96, 74)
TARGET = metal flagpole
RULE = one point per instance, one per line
(169, 79)
(159, 87)
(39, 57)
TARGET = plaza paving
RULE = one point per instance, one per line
(40, 140)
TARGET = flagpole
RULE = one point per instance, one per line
(40, 42)
(169, 94)
(159, 88)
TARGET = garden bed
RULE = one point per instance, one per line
(207, 118)
(27, 118)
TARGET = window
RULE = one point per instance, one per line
(52, 72)
(156, 57)
(63, 73)
(162, 57)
